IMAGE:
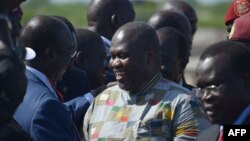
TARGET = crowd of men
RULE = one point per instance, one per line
(120, 79)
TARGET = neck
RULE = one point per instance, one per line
(51, 75)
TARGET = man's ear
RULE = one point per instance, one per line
(115, 22)
(80, 59)
(50, 53)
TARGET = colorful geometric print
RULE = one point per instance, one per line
(108, 98)
(95, 129)
(120, 114)
(172, 114)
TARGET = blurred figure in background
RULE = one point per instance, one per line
(184, 8)
(12, 78)
(91, 56)
(236, 10)
(105, 17)
(174, 54)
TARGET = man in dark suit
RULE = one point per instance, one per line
(42, 114)
(223, 78)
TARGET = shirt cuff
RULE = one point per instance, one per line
(89, 97)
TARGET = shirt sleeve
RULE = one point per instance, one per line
(89, 97)
(185, 125)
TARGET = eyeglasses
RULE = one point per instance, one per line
(215, 88)
(72, 54)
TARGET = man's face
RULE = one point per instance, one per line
(65, 54)
(220, 90)
(94, 63)
(170, 63)
(128, 63)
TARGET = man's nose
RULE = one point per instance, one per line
(115, 63)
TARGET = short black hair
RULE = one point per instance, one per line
(236, 53)
(42, 32)
(141, 33)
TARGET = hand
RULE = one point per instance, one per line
(7, 5)
(98, 90)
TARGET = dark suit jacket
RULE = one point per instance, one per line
(44, 117)
(209, 134)
(212, 133)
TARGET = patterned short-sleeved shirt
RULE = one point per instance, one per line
(163, 112)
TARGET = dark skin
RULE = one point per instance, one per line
(171, 19)
(173, 63)
(131, 61)
(53, 59)
(222, 106)
(91, 57)
(106, 16)
(186, 9)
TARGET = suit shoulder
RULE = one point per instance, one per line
(209, 134)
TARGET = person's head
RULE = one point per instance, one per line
(236, 9)
(106, 16)
(223, 78)
(91, 56)
(175, 52)
(13, 83)
(183, 7)
(135, 55)
(53, 43)
(72, 30)
(173, 19)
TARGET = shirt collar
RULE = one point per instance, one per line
(106, 41)
(243, 115)
(146, 86)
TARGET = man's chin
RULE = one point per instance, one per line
(123, 86)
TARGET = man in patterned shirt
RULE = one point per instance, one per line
(143, 106)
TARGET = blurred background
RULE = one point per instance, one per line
(210, 14)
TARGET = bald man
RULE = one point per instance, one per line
(184, 8)
(42, 113)
(143, 106)
(172, 19)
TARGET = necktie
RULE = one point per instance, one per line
(221, 136)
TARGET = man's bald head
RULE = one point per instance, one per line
(42, 32)
(104, 15)
(137, 34)
(135, 55)
(174, 52)
(171, 19)
(183, 7)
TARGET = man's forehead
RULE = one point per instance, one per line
(215, 67)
